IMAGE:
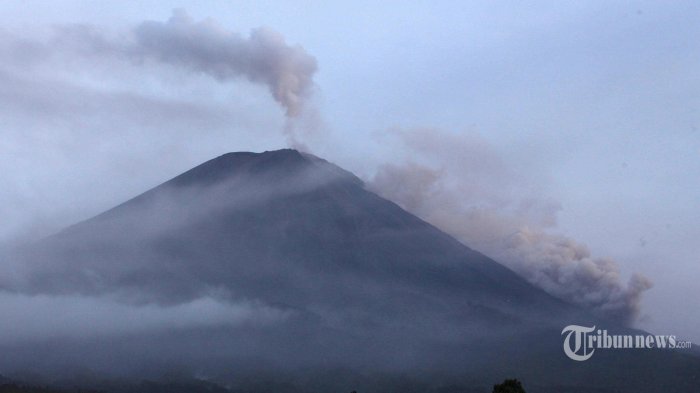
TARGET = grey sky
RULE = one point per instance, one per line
(595, 105)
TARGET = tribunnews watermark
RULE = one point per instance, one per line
(580, 342)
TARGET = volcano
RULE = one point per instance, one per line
(333, 288)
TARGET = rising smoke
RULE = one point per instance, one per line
(462, 185)
(203, 47)
(208, 48)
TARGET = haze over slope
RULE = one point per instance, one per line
(282, 263)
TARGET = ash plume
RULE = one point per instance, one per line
(263, 57)
(462, 185)
(200, 47)
(206, 47)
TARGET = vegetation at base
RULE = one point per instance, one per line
(509, 386)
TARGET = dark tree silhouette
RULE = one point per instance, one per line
(509, 386)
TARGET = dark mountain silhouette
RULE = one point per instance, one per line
(342, 290)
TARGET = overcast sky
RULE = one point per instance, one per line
(589, 112)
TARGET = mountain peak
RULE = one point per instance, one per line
(271, 165)
(272, 168)
(237, 163)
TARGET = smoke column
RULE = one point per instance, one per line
(207, 48)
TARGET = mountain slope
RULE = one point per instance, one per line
(224, 221)
(320, 273)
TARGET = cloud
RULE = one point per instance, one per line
(39, 318)
(464, 186)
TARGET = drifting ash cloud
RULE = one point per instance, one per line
(464, 186)
(206, 47)
(203, 47)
